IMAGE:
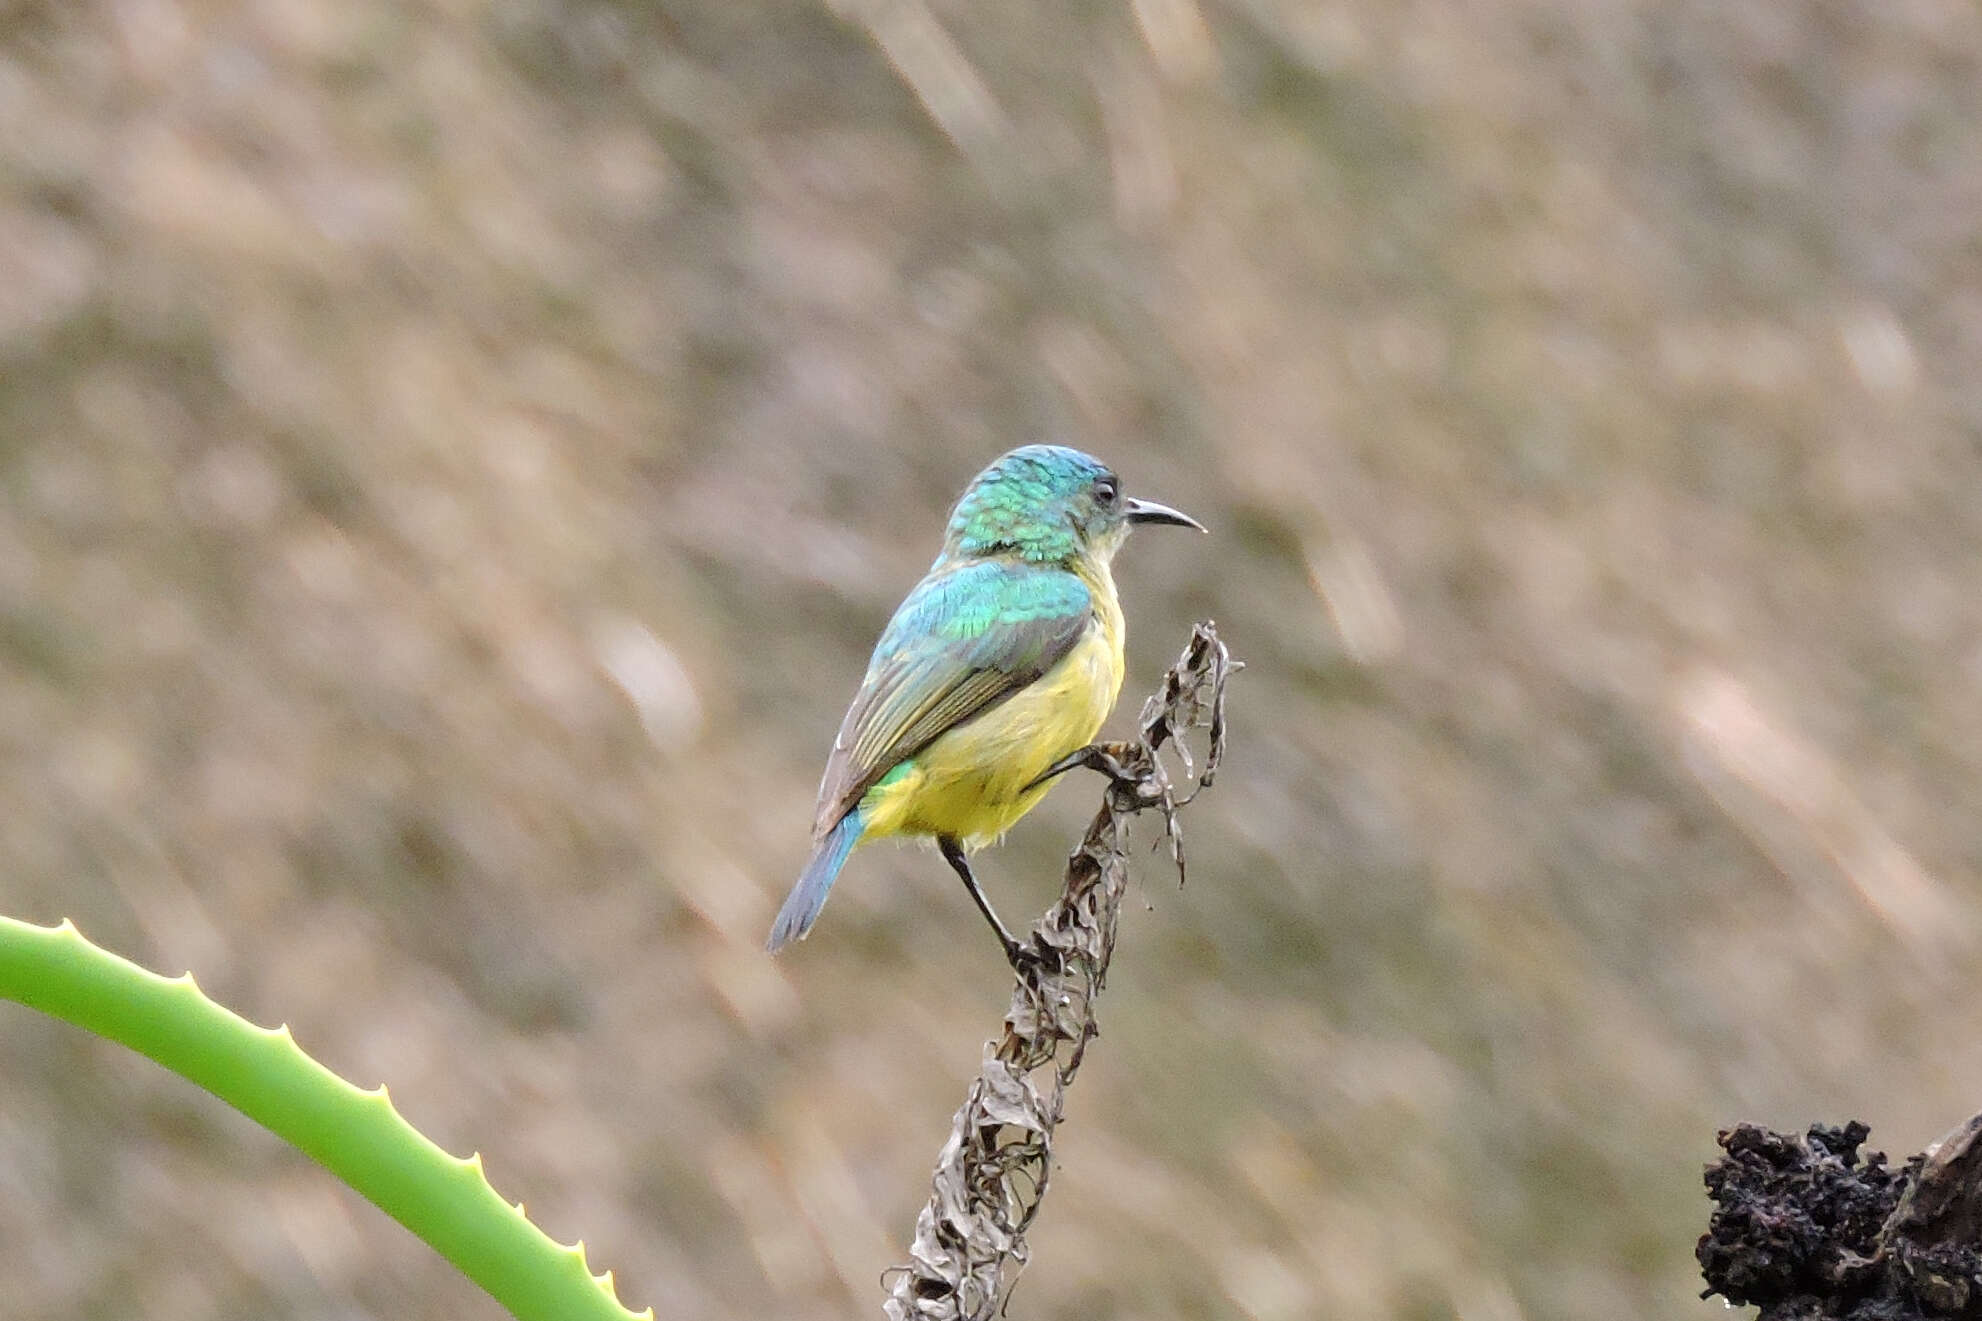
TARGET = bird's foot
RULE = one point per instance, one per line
(1028, 958)
(1107, 758)
(1137, 779)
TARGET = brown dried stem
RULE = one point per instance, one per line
(992, 1174)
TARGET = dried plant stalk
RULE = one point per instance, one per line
(970, 1239)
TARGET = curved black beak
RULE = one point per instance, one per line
(1148, 511)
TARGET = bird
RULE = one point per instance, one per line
(993, 676)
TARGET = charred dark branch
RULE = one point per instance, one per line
(1806, 1230)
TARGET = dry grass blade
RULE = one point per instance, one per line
(993, 1172)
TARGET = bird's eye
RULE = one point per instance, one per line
(1106, 491)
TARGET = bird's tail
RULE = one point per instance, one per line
(808, 896)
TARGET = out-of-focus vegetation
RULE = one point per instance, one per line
(454, 459)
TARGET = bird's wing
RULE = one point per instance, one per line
(965, 639)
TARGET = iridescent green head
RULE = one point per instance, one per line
(1048, 504)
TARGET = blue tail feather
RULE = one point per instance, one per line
(808, 896)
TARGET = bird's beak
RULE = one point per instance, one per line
(1148, 511)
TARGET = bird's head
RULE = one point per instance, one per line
(1048, 504)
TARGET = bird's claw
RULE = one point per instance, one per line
(1030, 958)
(1103, 757)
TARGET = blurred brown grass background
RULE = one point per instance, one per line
(454, 459)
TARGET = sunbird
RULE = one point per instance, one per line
(996, 670)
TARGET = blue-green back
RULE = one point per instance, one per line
(971, 633)
(983, 611)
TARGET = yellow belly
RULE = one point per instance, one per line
(971, 782)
